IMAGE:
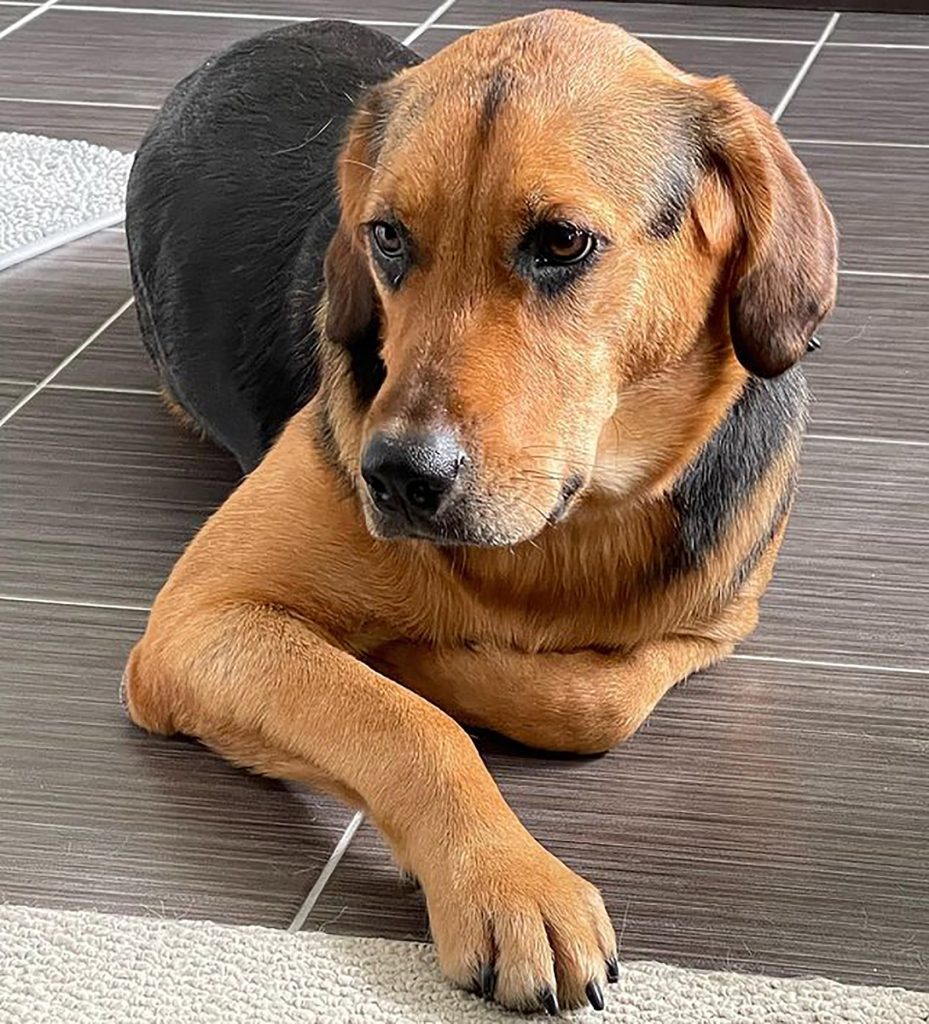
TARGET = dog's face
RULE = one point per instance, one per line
(553, 246)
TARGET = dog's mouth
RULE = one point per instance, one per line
(570, 490)
(468, 522)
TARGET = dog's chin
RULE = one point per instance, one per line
(457, 529)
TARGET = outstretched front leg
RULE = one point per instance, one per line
(256, 683)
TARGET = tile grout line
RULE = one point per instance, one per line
(868, 440)
(815, 663)
(79, 103)
(104, 605)
(805, 67)
(894, 274)
(105, 390)
(312, 897)
(40, 387)
(26, 18)
(855, 142)
(428, 23)
(169, 12)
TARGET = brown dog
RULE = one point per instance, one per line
(545, 475)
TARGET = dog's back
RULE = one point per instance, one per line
(230, 207)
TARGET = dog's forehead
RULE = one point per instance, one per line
(554, 104)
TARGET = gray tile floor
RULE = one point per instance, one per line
(773, 814)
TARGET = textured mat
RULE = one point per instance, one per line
(61, 967)
(54, 191)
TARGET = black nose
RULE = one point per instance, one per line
(411, 474)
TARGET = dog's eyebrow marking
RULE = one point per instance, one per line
(498, 88)
(674, 192)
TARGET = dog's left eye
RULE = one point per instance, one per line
(561, 243)
(387, 239)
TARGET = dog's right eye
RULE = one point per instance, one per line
(387, 238)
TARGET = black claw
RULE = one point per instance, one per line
(612, 970)
(549, 1002)
(595, 995)
(813, 344)
(488, 980)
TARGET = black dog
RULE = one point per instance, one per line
(231, 205)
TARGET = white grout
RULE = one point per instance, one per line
(171, 12)
(327, 872)
(868, 440)
(78, 103)
(428, 23)
(854, 142)
(38, 388)
(107, 605)
(812, 663)
(804, 68)
(892, 274)
(882, 46)
(700, 38)
(105, 390)
(26, 18)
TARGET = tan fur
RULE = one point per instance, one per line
(282, 633)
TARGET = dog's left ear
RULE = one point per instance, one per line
(783, 274)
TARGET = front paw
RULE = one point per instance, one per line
(515, 924)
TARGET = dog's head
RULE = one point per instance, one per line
(555, 251)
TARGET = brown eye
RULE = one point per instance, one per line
(561, 243)
(387, 239)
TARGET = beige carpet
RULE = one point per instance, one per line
(60, 967)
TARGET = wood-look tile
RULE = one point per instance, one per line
(117, 359)
(9, 15)
(762, 70)
(101, 493)
(115, 58)
(880, 203)
(678, 19)
(10, 394)
(768, 818)
(865, 95)
(116, 127)
(852, 580)
(883, 28)
(871, 377)
(98, 815)
(51, 303)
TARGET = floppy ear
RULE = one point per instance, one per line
(351, 313)
(352, 320)
(783, 276)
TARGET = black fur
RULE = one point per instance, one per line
(499, 87)
(675, 192)
(768, 416)
(230, 209)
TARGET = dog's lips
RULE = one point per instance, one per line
(572, 487)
